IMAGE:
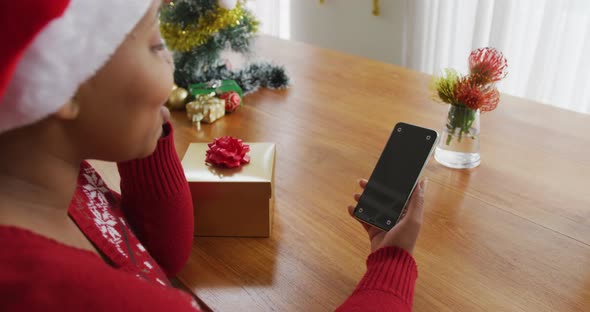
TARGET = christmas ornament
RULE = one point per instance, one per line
(205, 108)
(232, 101)
(177, 98)
(227, 152)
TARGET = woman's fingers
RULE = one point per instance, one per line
(363, 183)
(415, 209)
(351, 210)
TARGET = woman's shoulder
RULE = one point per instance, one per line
(35, 269)
(38, 273)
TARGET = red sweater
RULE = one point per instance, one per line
(144, 235)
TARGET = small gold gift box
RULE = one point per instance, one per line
(232, 202)
(205, 108)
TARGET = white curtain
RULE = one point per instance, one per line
(546, 42)
(274, 16)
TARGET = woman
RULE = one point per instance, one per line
(83, 79)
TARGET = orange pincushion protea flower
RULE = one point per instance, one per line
(472, 95)
(487, 65)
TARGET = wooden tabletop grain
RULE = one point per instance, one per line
(510, 235)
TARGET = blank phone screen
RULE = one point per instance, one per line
(395, 175)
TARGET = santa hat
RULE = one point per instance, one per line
(50, 47)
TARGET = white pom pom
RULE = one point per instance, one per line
(228, 4)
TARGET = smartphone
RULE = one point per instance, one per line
(395, 176)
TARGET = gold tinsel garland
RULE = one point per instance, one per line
(184, 39)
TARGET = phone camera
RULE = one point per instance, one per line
(428, 137)
(399, 129)
(360, 210)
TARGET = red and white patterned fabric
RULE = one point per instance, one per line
(96, 210)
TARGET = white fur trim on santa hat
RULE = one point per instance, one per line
(69, 51)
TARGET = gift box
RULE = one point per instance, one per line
(205, 108)
(232, 202)
(215, 87)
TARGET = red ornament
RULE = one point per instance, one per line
(227, 152)
(232, 101)
(474, 96)
(487, 65)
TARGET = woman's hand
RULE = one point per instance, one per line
(405, 233)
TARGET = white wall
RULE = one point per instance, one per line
(440, 34)
(350, 26)
(274, 16)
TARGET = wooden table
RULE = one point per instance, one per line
(510, 235)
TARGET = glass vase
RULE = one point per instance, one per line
(459, 143)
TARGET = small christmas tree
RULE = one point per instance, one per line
(197, 31)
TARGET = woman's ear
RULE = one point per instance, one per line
(68, 111)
